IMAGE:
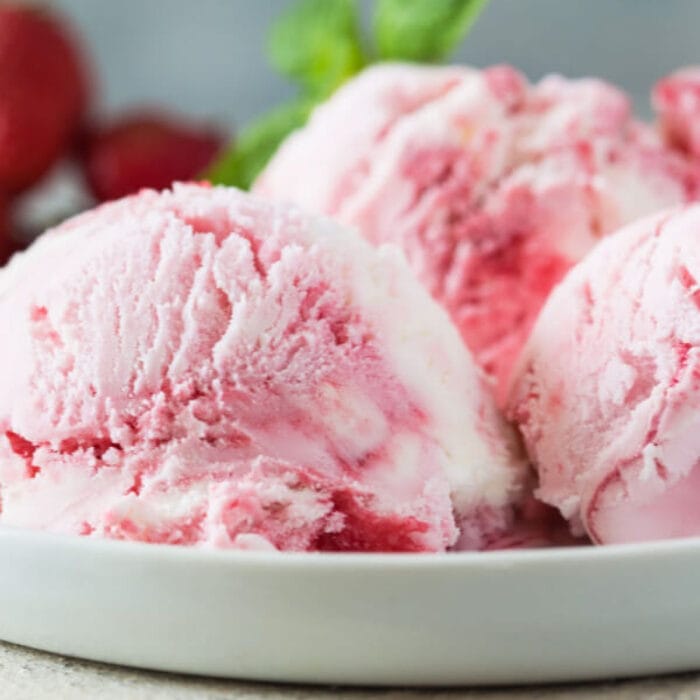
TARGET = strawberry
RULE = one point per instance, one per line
(43, 93)
(8, 247)
(8, 244)
(147, 149)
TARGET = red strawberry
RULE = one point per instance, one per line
(8, 244)
(147, 150)
(43, 93)
(8, 247)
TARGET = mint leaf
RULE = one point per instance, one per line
(317, 44)
(423, 30)
(256, 144)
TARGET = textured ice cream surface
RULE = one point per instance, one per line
(201, 366)
(492, 187)
(607, 391)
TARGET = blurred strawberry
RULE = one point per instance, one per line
(8, 247)
(147, 149)
(43, 93)
(8, 243)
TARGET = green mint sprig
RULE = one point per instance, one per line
(318, 45)
(256, 144)
(423, 30)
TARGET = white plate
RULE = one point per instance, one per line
(494, 618)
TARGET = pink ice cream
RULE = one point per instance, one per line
(676, 99)
(492, 187)
(607, 392)
(200, 366)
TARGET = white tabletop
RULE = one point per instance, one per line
(31, 675)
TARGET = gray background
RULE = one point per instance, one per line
(206, 57)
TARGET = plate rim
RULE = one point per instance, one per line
(206, 555)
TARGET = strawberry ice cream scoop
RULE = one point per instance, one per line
(492, 187)
(676, 100)
(607, 392)
(200, 366)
